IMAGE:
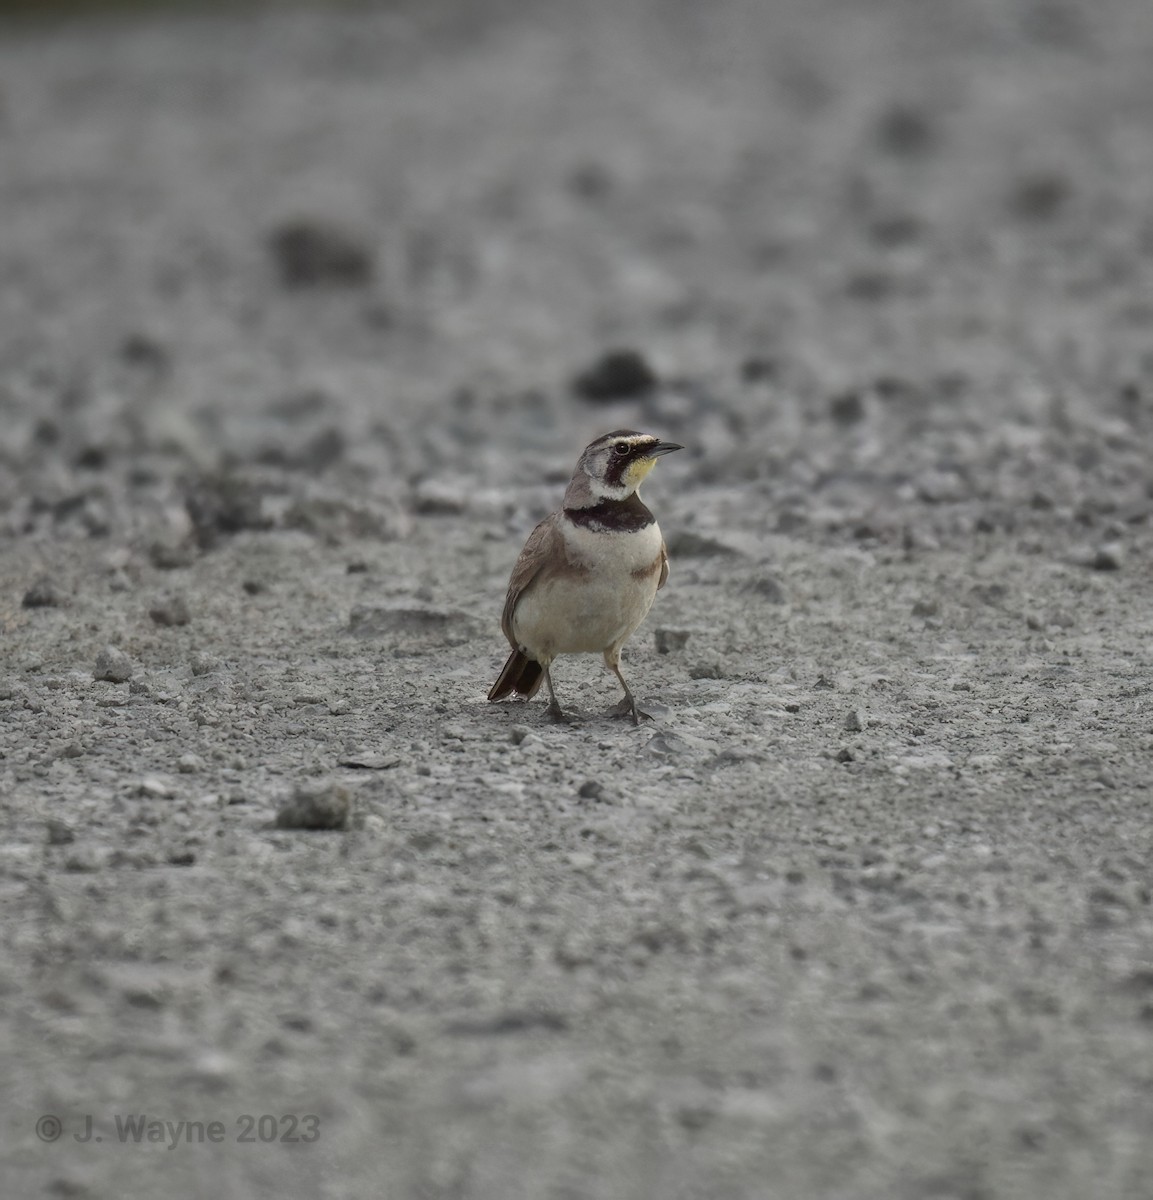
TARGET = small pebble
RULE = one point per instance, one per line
(760, 369)
(668, 640)
(326, 807)
(113, 665)
(435, 497)
(202, 663)
(616, 375)
(170, 610)
(707, 670)
(769, 589)
(310, 252)
(905, 130)
(1039, 195)
(171, 556)
(853, 723)
(141, 349)
(190, 764)
(85, 859)
(44, 593)
(847, 408)
(58, 833)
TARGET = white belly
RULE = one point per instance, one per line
(598, 608)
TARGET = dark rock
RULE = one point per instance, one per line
(142, 350)
(326, 807)
(313, 253)
(508, 1022)
(58, 833)
(46, 432)
(1107, 558)
(1039, 196)
(872, 285)
(905, 132)
(172, 556)
(68, 1189)
(1057, 25)
(91, 458)
(668, 640)
(896, 229)
(768, 589)
(590, 181)
(170, 610)
(707, 670)
(224, 504)
(892, 389)
(847, 408)
(616, 375)
(44, 593)
(759, 369)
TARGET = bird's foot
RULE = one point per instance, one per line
(558, 714)
(628, 708)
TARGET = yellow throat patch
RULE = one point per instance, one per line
(634, 475)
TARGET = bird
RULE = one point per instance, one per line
(589, 572)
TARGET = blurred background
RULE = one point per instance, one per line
(358, 236)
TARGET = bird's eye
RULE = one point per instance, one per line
(621, 448)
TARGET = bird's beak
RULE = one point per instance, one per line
(663, 448)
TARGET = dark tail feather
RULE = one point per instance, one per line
(521, 674)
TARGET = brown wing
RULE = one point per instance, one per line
(544, 550)
(664, 575)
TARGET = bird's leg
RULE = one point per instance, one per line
(555, 711)
(628, 706)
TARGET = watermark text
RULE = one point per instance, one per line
(143, 1129)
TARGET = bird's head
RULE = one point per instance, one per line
(614, 466)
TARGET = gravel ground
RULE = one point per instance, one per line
(304, 319)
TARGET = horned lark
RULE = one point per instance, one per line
(588, 573)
